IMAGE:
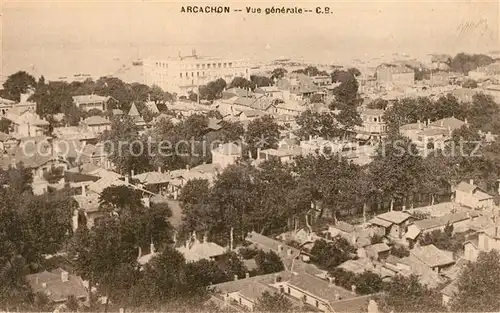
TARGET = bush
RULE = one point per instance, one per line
(247, 253)
(400, 251)
(376, 239)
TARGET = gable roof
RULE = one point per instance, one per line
(96, 120)
(133, 110)
(451, 123)
(54, 287)
(443, 220)
(396, 217)
(319, 288)
(432, 256)
(89, 99)
(473, 189)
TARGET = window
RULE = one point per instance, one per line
(225, 64)
(282, 289)
(208, 65)
(197, 74)
(192, 74)
(317, 303)
(304, 298)
(288, 290)
(219, 65)
(230, 64)
(180, 74)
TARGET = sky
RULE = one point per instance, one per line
(57, 36)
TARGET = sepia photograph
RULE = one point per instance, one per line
(309, 156)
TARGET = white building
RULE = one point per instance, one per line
(226, 154)
(184, 74)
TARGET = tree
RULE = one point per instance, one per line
(213, 90)
(379, 104)
(316, 124)
(261, 81)
(469, 83)
(278, 73)
(241, 82)
(464, 63)
(103, 254)
(276, 302)
(331, 254)
(368, 283)
(126, 149)
(263, 133)
(400, 251)
(5, 125)
(478, 288)
(17, 84)
(268, 263)
(406, 294)
(396, 170)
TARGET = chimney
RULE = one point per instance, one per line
(44, 285)
(159, 169)
(187, 167)
(132, 173)
(226, 299)
(442, 123)
(353, 288)
(152, 247)
(428, 121)
(330, 281)
(187, 243)
(126, 179)
(419, 124)
(289, 251)
(247, 275)
(337, 296)
(465, 121)
(64, 276)
(471, 181)
(205, 238)
(84, 191)
(235, 277)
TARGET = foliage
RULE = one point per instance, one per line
(469, 83)
(376, 239)
(268, 262)
(379, 104)
(444, 239)
(478, 288)
(212, 90)
(5, 125)
(407, 294)
(365, 283)
(464, 63)
(328, 255)
(240, 82)
(263, 133)
(276, 302)
(311, 71)
(261, 81)
(248, 253)
(278, 73)
(17, 84)
(400, 251)
(54, 174)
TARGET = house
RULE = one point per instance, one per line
(96, 124)
(27, 124)
(58, 285)
(395, 75)
(472, 196)
(494, 91)
(5, 105)
(341, 228)
(441, 61)
(89, 102)
(378, 251)
(270, 91)
(459, 221)
(373, 126)
(486, 240)
(136, 116)
(195, 250)
(434, 258)
(226, 154)
(287, 253)
(154, 181)
(491, 71)
(283, 154)
(392, 223)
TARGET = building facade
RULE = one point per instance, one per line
(184, 74)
